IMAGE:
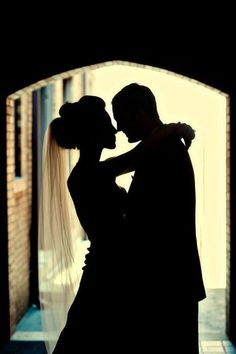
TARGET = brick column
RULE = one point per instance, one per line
(231, 228)
(4, 296)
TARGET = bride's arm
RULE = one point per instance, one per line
(126, 162)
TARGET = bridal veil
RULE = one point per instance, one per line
(62, 242)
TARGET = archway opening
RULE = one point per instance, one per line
(179, 99)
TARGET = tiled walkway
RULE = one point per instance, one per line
(28, 338)
(213, 339)
(216, 347)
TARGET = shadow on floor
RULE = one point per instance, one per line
(23, 347)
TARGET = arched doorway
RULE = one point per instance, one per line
(96, 84)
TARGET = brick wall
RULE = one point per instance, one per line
(19, 210)
(19, 192)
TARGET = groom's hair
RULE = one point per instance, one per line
(134, 97)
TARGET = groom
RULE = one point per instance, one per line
(163, 278)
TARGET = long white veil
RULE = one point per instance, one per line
(61, 242)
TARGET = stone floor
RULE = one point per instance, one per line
(212, 330)
(212, 316)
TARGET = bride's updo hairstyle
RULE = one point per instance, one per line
(76, 121)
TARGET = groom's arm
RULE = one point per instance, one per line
(128, 161)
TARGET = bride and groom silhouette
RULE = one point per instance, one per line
(142, 279)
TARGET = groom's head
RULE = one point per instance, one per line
(135, 111)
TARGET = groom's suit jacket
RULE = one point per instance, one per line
(160, 223)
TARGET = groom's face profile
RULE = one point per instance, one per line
(129, 123)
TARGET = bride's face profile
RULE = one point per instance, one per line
(105, 132)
